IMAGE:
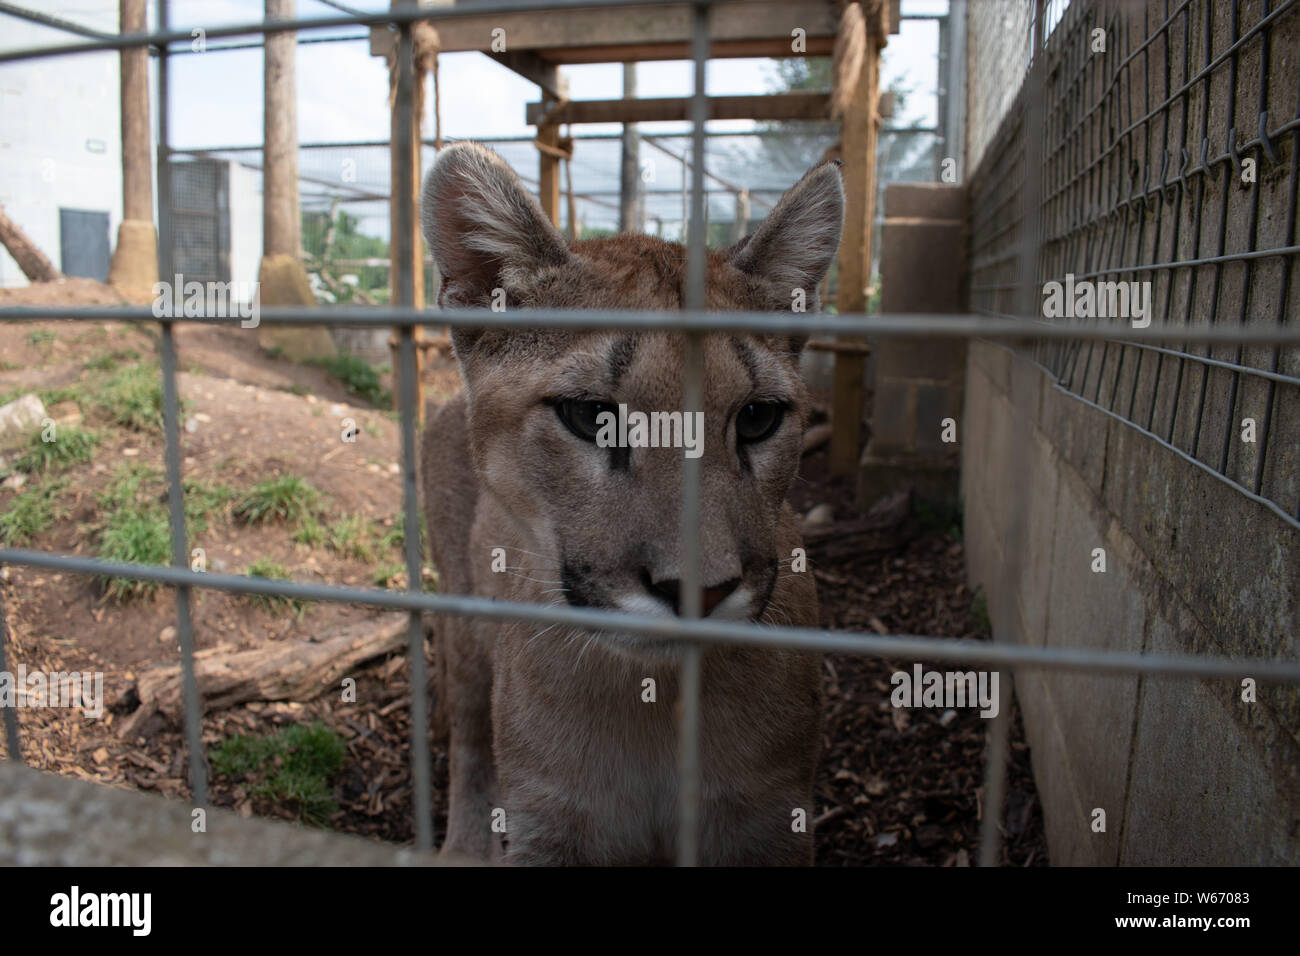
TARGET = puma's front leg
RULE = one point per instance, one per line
(472, 793)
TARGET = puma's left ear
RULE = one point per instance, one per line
(797, 241)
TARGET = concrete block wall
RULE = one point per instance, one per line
(1185, 770)
(918, 382)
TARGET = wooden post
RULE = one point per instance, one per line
(134, 269)
(630, 217)
(858, 135)
(741, 222)
(282, 278)
(281, 220)
(405, 139)
(548, 175)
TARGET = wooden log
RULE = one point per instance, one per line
(297, 670)
(34, 263)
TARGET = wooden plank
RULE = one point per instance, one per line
(777, 106)
(652, 23)
(637, 50)
(778, 47)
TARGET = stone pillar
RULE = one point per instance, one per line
(919, 382)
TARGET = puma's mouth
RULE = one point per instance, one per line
(742, 602)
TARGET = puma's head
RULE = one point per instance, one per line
(606, 519)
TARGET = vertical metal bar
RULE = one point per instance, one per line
(180, 559)
(402, 239)
(164, 156)
(693, 400)
(12, 741)
(995, 778)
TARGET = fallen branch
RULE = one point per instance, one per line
(297, 670)
(34, 263)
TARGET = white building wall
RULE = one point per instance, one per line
(245, 224)
(60, 130)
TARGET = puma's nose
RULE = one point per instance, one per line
(670, 590)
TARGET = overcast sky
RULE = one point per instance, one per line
(342, 90)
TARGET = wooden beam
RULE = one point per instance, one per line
(532, 67)
(858, 138)
(777, 106)
(636, 25)
(636, 51)
(776, 48)
(548, 166)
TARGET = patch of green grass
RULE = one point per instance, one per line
(352, 537)
(394, 536)
(274, 352)
(32, 512)
(71, 446)
(309, 532)
(297, 388)
(275, 603)
(294, 767)
(138, 536)
(7, 366)
(131, 397)
(371, 429)
(109, 361)
(358, 377)
(205, 500)
(39, 338)
(135, 529)
(385, 573)
(288, 498)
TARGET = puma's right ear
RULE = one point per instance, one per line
(797, 241)
(485, 230)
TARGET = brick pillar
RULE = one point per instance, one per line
(918, 382)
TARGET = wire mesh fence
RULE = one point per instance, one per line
(1161, 165)
(1002, 223)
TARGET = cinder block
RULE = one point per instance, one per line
(934, 403)
(934, 360)
(925, 201)
(893, 421)
(1093, 713)
(921, 265)
(1215, 780)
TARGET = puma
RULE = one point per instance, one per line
(563, 743)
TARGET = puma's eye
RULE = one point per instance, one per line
(581, 418)
(758, 421)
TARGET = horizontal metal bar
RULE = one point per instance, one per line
(161, 38)
(900, 325)
(720, 632)
(54, 23)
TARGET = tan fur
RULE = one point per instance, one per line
(549, 724)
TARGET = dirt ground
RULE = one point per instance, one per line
(895, 786)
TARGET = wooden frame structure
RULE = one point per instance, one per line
(536, 44)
